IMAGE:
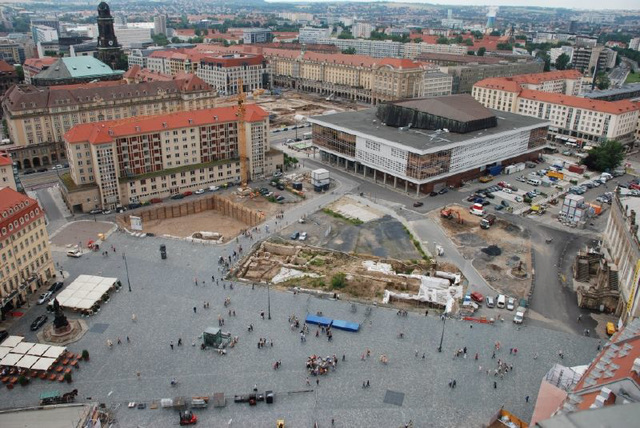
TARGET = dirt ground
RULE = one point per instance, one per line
(210, 221)
(304, 104)
(511, 241)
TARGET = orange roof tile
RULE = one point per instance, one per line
(6, 67)
(106, 131)
(9, 198)
(5, 159)
(612, 107)
(500, 83)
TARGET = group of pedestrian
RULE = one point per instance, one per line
(452, 383)
(262, 342)
(403, 313)
(220, 320)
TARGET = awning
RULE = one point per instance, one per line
(11, 359)
(38, 349)
(43, 364)
(22, 347)
(27, 361)
(12, 341)
(54, 351)
(4, 351)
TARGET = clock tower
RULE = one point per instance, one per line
(108, 49)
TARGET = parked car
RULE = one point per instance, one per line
(106, 211)
(501, 301)
(277, 174)
(44, 298)
(443, 191)
(213, 188)
(504, 204)
(303, 236)
(56, 286)
(490, 302)
(95, 211)
(188, 193)
(521, 179)
(29, 171)
(178, 196)
(418, 204)
(75, 253)
(489, 195)
(499, 207)
(39, 322)
(199, 192)
(507, 190)
(511, 303)
(295, 235)
(43, 169)
(477, 296)
(433, 194)
(519, 199)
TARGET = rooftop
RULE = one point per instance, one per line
(613, 107)
(10, 200)
(628, 88)
(366, 124)
(457, 107)
(77, 67)
(5, 159)
(107, 131)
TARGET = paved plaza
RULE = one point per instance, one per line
(164, 296)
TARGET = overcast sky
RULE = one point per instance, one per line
(575, 4)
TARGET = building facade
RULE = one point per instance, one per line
(160, 25)
(41, 33)
(465, 76)
(312, 34)
(402, 144)
(136, 160)
(37, 118)
(109, 51)
(251, 36)
(574, 119)
(8, 77)
(223, 72)
(10, 52)
(7, 175)
(25, 257)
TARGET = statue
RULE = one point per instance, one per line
(60, 321)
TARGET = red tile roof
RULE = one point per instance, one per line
(536, 78)
(500, 83)
(612, 107)
(5, 159)
(20, 216)
(106, 131)
(5, 67)
(233, 60)
(40, 62)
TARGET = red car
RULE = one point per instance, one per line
(155, 200)
(188, 418)
(478, 297)
(188, 193)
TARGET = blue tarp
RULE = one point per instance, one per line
(346, 325)
(314, 319)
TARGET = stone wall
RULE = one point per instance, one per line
(216, 203)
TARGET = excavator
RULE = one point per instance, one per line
(450, 214)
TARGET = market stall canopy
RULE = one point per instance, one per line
(38, 349)
(10, 359)
(4, 351)
(12, 341)
(43, 363)
(54, 351)
(22, 347)
(27, 361)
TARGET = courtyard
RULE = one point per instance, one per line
(164, 296)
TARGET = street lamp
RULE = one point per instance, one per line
(95, 208)
(268, 299)
(126, 266)
(444, 321)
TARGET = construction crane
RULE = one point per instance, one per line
(242, 136)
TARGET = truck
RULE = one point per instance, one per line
(487, 221)
(477, 209)
(519, 316)
(555, 174)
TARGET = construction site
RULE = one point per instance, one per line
(501, 251)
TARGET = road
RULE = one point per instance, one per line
(39, 179)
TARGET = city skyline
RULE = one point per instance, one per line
(569, 4)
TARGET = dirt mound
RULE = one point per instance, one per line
(492, 250)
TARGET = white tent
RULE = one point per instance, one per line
(4, 351)
(27, 361)
(54, 352)
(85, 292)
(43, 364)
(38, 349)
(12, 341)
(22, 347)
(10, 359)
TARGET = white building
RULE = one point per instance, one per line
(435, 83)
(160, 25)
(554, 53)
(130, 35)
(412, 50)
(222, 72)
(312, 34)
(378, 143)
(635, 43)
(362, 30)
(44, 34)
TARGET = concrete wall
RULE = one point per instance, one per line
(216, 203)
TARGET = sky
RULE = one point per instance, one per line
(569, 4)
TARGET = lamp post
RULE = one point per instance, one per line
(95, 208)
(444, 321)
(268, 300)
(126, 266)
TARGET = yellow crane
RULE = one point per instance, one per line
(242, 136)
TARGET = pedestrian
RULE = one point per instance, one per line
(526, 399)
(454, 384)
(138, 374)
(195, 309)
(308, 383)
(368, 383)
(171, 344)
(561, 354)
(344, 357)
(493, 356)
(580, 318)
(495, 385)
(262, 314)
(476, 358)
(317, 382)
(213, 278)
(128, 341)
(510, 351)
(179, 341)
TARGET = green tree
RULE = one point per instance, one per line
(346, 35)
(175, 40)
(606, 157)
(477, 34)
(602, 80)
(339, 280)
(481, 51)
(471, 53)
(349, 51)
(468, 42)
(496, 33)
(20, 73)
(160, 39)
(198, 33)
(504, 46)
(521, 37)
(442, 40)
(562, 62)
(458, 39)
(417, 40)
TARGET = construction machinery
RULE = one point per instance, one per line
(240, 99)
(450, 214)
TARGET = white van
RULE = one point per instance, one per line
(534, 181)
(501, 301)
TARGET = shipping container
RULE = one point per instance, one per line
(495, 170)
(578, 169)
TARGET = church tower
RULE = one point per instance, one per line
(108, 49)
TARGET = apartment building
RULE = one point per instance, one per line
(312, 34)
(255, 35)
(373, 48)
(38, 117)
(573, 119)
(11, 52)
(25, 257)
(362, 30)
(223, 71)
(586, 58)
(173, 62)
(7, 176)
(404, 144)
(465, 76)
(413, 50)
(137, 159)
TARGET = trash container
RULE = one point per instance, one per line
(163, 251)
(269, 397)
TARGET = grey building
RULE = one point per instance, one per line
(255, 35)
(465, 76)
(160, 25)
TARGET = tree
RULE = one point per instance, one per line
(504, 46)
(468, 42)
(607, 157)
(339, 280)
(346, 35)
(471, 53)
(20, 73)
(562, 62)
(175, 40)
(496, 33)
(417, 40)
(442, 40)
(602, 80)
(349, 51)
(160, 39)
(477, 34)
(481, 51)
